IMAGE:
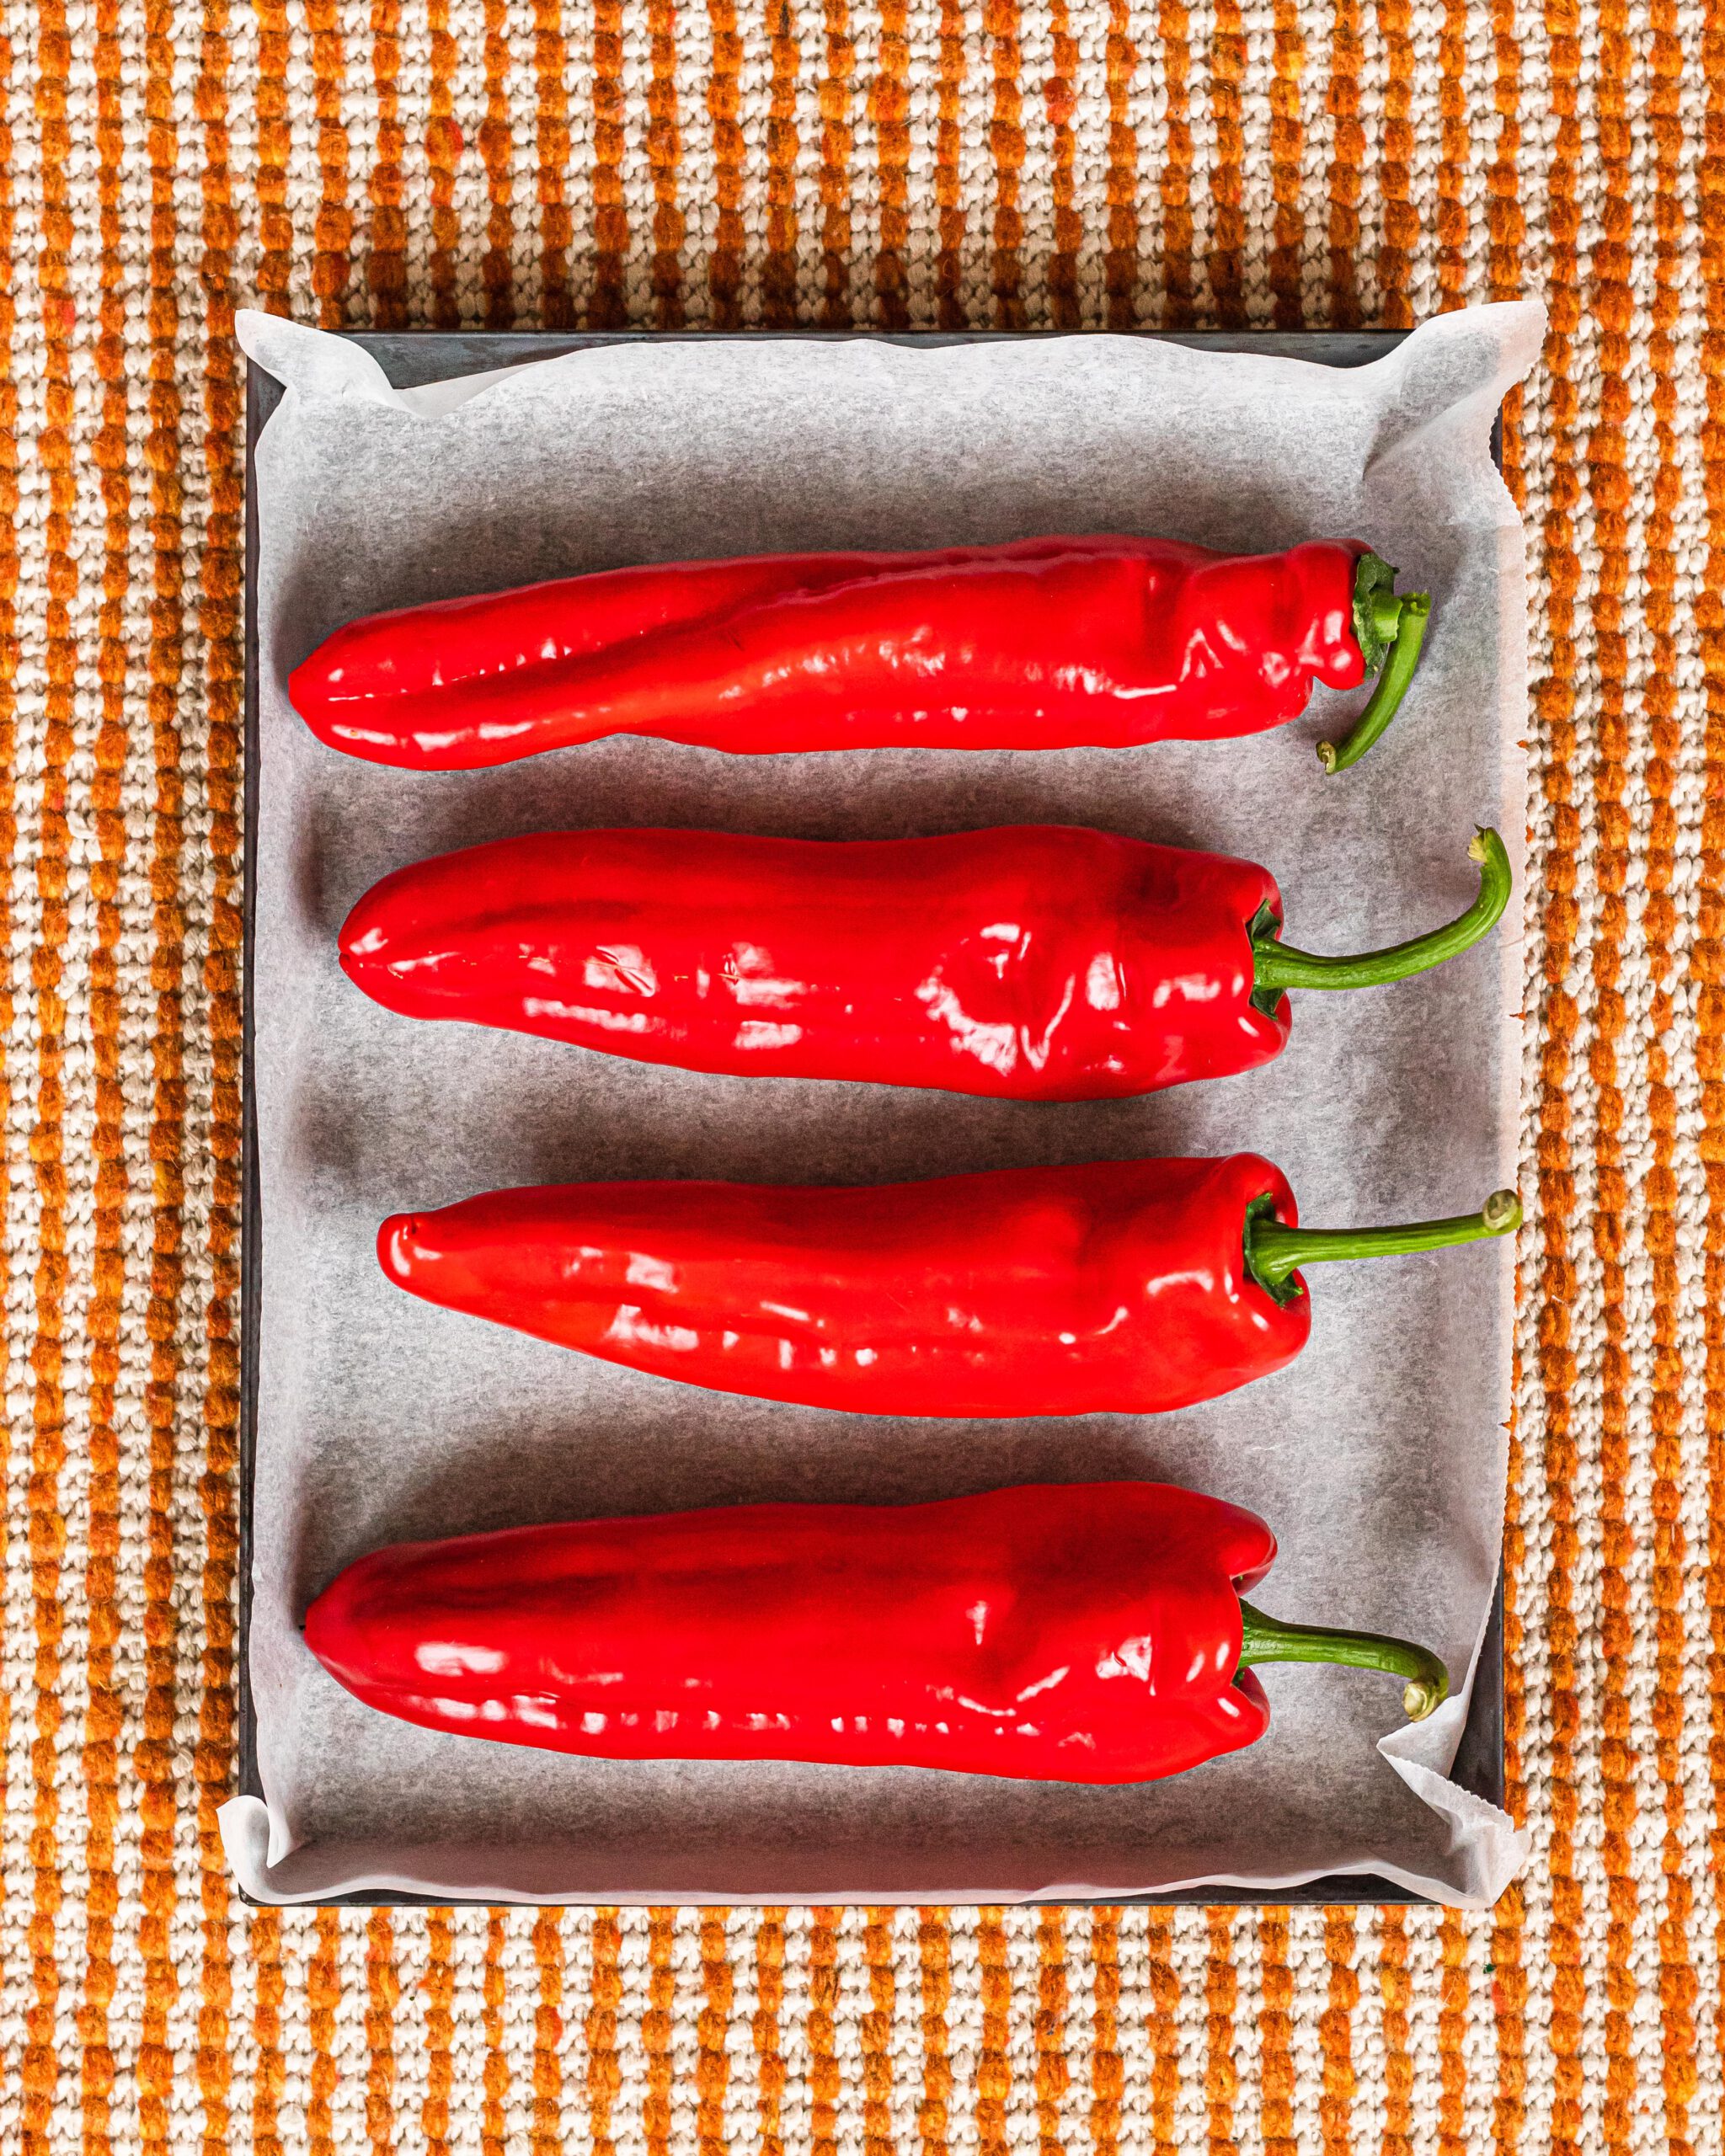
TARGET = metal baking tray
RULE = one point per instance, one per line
(409, 358)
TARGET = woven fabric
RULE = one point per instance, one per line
(1012, 162)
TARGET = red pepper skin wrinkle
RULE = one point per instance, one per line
(1077, 1632)
(1034, 963)
(1041, 644)
(1116, 1287)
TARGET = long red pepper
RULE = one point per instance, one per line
(1074, 1632)
(1036, 961)
(1041, 644)
(1119, 1286)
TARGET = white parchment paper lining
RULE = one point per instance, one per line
(1379, 1457)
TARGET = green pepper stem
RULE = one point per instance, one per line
(1277, 965)
(1386, 617)
(1274, 1251)
(1381, 617)
(1267, 1639)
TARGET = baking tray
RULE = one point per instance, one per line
(409, 358)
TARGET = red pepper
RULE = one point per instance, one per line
(1035, 963)
(1074, 1632)
(1125, 1287)
(1042, 644)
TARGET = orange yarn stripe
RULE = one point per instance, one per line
(1509, 2001)
(1608, 489)
(334, 230)
(1452, 2036)
(1335, 2108)
(1401, 219)
(1053, 2076)
(889, 109)
(438, 1983)
(496, 133)
(219, 601)
(1457, 120)
(1164, 2030)
(837, 139)
(1396, 1989)
(103, 1720)
(769, 2003)
(153, 1759)
(1061, 101)
(1505, 221)
(724, 265)
(387, 271)
(1708, 964)
(1509, 1985)
(1287, 146)
(1554, 699)
(1275, 2030)
(948, 186)
(545, 2136)
(656, 2028)
(268, 1990)
(382, 1996)
(1108, 2068)
(1506, 226)
(275, 223)
(1227, 184)
(1174, 181)
(1678, 1987)
(822, 2060)
(557, 231)
(39, 2066)
(603, 2079)
(1120, 268)
(610, 222)
(8, 677)
(1001, 26)
(1221, 1991)
(1347, 154)
(322, 1997)
(664, 154)
(779, 276)
(994, 2070)
(877, 2034)
(712, 2028)
(934, 1942)
(491, 2120)
(443, 153)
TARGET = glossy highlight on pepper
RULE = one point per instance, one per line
(1030, 961)
(1062, 642)
(1125, 1287)
(1075, 1632)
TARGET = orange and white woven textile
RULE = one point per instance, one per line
(1015, 163)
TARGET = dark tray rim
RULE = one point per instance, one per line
(409, 358)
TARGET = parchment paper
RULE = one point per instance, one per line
(1378, 1457)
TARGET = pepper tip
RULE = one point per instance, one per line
(396, 1237)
